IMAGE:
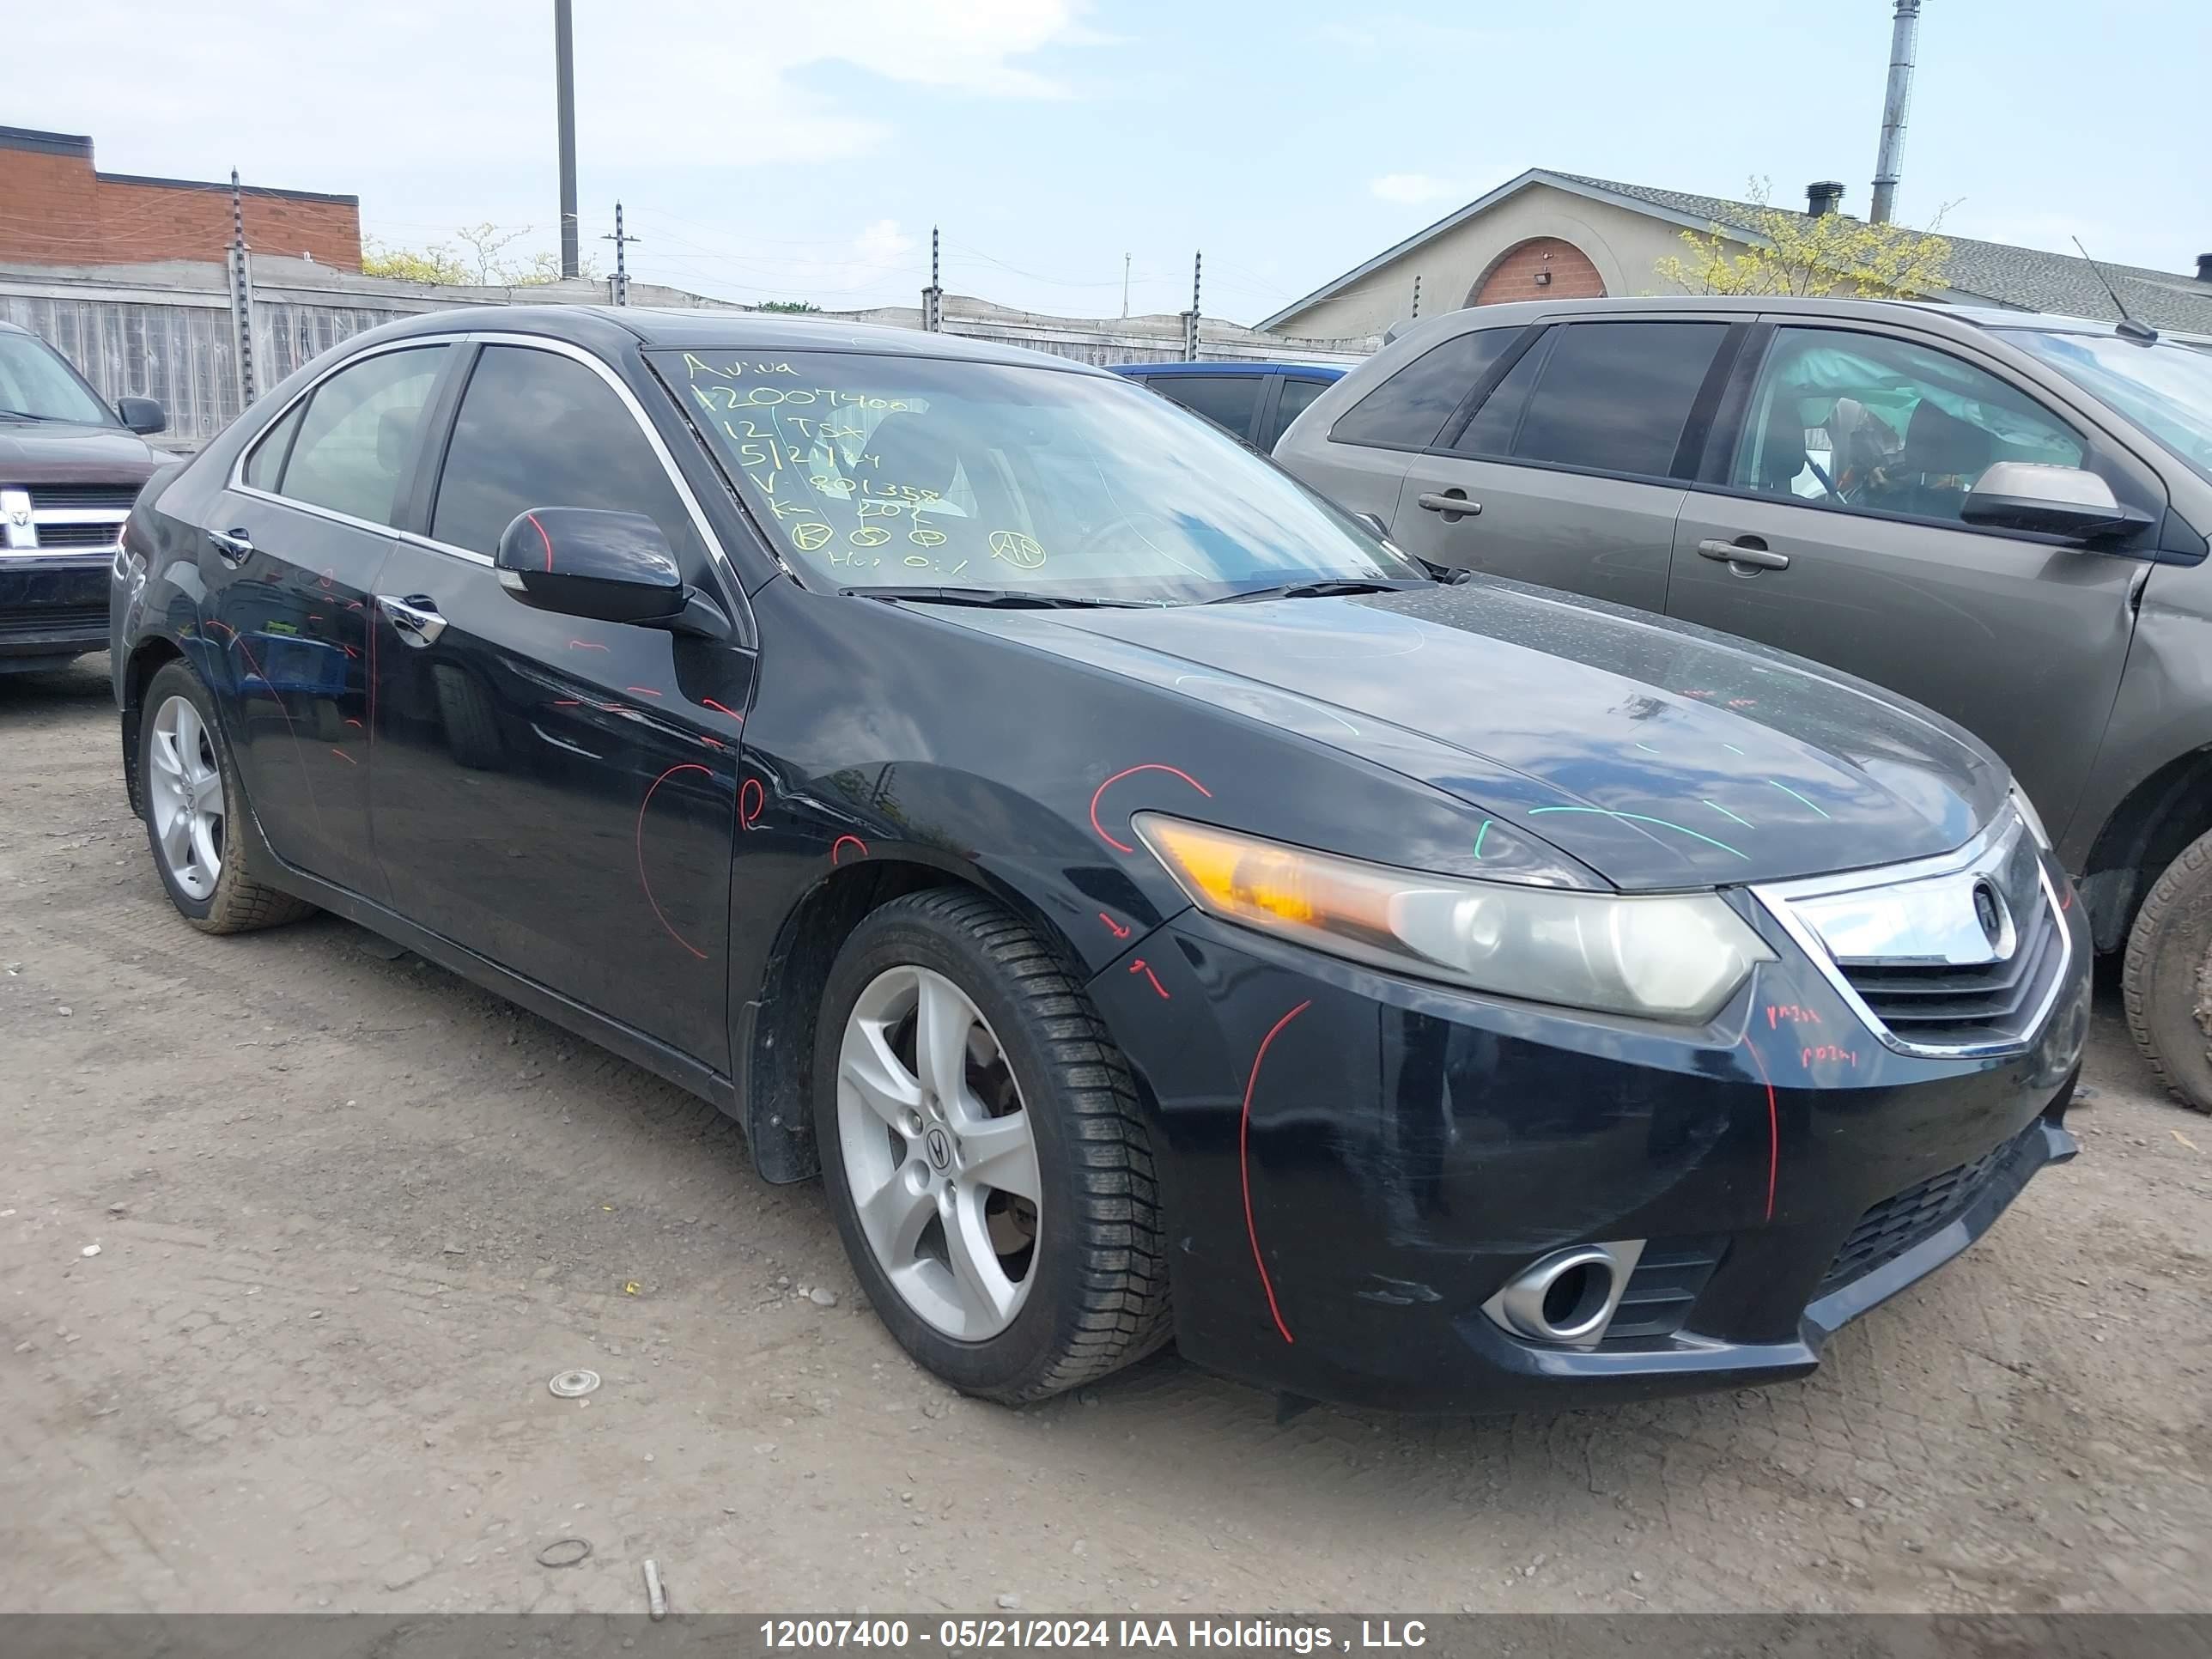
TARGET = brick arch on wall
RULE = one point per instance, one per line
(1512, 274)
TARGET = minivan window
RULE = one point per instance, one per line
(899, 472)
(1846, 419)
(2167, 390)
(358, 435)
(1614, 396)
(1289, 406)
(37, 383)
(1227, 400)
(1408, 409)
(536, 428)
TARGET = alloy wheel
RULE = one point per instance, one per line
(939, 1153)
(186, 792)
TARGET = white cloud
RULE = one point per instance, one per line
(882, 244)
(1413, 189)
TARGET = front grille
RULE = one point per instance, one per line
(79, 535)
(61, 620)
(1896, 1225)
(1948, 1006)
(1669, 1277)
(83, 497)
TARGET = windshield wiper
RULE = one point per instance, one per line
(25, 414)
(1320, 590)
(1011, 598)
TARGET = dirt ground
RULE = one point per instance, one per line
(352, 1213)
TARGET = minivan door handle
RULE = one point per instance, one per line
(1750, 550)
(414, 618)
(232, 547)
(1453, 504)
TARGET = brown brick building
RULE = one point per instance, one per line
(55, 210)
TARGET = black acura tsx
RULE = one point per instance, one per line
(1154, 905)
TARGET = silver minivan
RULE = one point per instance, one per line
(1999, 514)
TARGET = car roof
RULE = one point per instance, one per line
(659, 329)
(1975, 316)
(1240, 366)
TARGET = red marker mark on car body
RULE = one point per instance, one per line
(752, 801)
(1773, 1124)
(1145, 766)
(639, 838)
(1113, 927)
(1138, 967)
(642, 690)
(567, 702)
(1245, 1166)
(1777, 1012)
(837, 845)
(709, 702)
(343, 756)
(353, 723)
(542, 536)
(585, 645)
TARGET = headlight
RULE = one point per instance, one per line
(1675, 956)
(2028, 816)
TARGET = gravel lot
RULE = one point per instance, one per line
(352, 1213)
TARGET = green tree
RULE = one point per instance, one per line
(480, 267)
(434, 263)
(787, 305)
(1780, 251)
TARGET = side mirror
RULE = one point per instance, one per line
(580, 562)
(2049, 500)
(144, 416)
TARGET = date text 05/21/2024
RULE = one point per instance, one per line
(1109, 1635)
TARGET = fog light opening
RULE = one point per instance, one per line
(1575, 1295)
(1568, 1297)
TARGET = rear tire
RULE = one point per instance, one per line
(1091, 1293)
(200, 862)
(2166, 978)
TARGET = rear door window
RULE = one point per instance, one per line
(1227, 400)
(1612, 396)
(356, 442)
(1407, 410)
(1291, 404)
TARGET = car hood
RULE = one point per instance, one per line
(55, 451)
(1657, 754)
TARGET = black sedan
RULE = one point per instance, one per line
(1154, 905)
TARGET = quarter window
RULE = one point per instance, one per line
(265, 466)
(1227, 400)
(357, 441)
(539, 429)
(1610, 397)
(1408, 409)
(1863, 421)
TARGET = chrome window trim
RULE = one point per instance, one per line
(734, 589)
(1778, 900)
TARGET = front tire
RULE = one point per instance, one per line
(2166, 977)
(985, 1156)
(196, 812)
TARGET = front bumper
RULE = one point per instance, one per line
(52, 607)
(1352, 1165)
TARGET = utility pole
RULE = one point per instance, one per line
(1903, 38)
(1125, 285)
(241, 296)
(933, 297)
(1190, 317)
(564, 76)
(622, 270)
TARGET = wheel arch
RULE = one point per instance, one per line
(148, 659)
(776, 1029)
(2146, 832)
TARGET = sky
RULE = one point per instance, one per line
(803, 149)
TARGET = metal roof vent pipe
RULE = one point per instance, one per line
(1824, 198)
(2204, 267)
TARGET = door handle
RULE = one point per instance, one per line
(232, 547)
(1750, 552)
(1453, 504)
(414, 618)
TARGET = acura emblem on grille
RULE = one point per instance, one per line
(1989, 910)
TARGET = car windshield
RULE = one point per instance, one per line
(34, 382)
(2165, 389)
(896, 472)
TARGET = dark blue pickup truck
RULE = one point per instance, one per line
(69, 469)
(1255, 402)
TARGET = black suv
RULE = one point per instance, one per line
(70, 468)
